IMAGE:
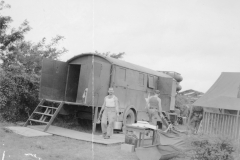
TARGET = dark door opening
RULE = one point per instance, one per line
(72, 82)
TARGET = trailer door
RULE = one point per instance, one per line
(94, 85)
(53, 79)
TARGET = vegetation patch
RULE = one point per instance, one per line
(206, 147)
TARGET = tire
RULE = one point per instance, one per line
(129, 117)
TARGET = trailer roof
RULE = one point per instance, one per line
(124, 64)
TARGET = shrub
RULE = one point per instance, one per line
(18, 95)
(205, 147)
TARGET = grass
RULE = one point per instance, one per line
(17, 147)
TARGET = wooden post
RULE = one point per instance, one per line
(95, 119)
(204, 122)
(237, 129)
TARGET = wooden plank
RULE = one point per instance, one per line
(206, 119)
(237, 123)
(232, 126)
(223, 120)
(44, 113)
(211, 123)
(204, 122)
(95, 114)
(222, 124)
(26, 123)
(95, 119)
(54, 116)
(214, 124)
(38, 121)
(227, 125)
(217, 123)
(208, 122)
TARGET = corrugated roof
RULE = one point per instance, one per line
(124, 64)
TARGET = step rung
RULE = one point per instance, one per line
(47, 107)
(38, 121)
(44, 114)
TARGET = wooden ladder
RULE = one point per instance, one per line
(165, 119)
(51, 112)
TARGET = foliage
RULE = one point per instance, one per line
(113, 55)
(204, 147)
(19, 95)
(181, 102)
(21, 68)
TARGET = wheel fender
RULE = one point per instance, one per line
(128, 108)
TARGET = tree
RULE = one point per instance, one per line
(21, 67)
(113, 55)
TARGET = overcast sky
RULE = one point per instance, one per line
(197, 38)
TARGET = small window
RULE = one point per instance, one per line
(141, 79)
(122, 74)
(150, 82)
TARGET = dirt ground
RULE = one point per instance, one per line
(17, 147)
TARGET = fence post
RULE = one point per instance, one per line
(237, 133)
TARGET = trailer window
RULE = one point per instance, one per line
(141, 79)
(150, 82)
(155, 81)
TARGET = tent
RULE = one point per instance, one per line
(224, 93)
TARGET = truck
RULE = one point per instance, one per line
(81, 83)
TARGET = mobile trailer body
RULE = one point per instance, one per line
(72, 82)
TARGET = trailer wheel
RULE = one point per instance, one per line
(129, 117)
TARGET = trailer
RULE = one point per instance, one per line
(80, 85)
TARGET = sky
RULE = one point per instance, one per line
(197, 38)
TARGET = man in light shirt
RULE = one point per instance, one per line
(110, 110)
(154, 108)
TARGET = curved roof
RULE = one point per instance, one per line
(124, 64)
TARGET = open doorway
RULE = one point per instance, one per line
(72, 82)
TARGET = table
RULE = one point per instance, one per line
(142, 132)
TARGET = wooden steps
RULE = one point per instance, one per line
(47, 113)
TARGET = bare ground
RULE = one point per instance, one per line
(17, 147)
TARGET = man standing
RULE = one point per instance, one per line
(154, 108)
(110, 111)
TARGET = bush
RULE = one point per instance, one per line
(210, 148)
(18, 95)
